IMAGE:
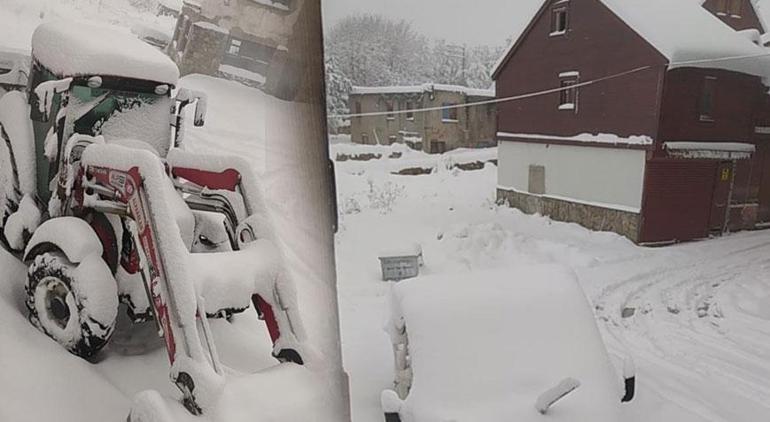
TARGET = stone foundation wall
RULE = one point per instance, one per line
(590, 216)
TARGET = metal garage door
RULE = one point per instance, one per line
(677, 199)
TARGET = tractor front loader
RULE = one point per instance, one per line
(101, 202)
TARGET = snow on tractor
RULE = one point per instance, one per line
(100, 201)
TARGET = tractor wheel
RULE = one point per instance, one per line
(74, 304)
(10, 195)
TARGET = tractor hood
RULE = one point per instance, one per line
(71, 49)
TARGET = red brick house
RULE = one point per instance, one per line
(661, 128)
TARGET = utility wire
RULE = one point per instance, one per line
(550, 91)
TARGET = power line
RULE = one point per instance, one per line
(549, 91)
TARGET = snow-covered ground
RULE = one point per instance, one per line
(697, 319)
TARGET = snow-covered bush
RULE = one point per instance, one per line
(383, 197)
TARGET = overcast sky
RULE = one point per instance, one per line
(470, 22)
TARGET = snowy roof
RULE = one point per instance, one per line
(76, 48)
(683, 31)
(416, 89)
(712, 150)
(534, 317)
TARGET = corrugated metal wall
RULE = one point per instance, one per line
(677, 199)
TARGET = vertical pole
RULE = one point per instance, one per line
(730, 196)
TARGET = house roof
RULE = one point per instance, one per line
(416, 89)
(72, 48)
(682, 31)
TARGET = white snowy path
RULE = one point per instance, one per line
(700, 329)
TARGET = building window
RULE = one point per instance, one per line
(706, 102)
(358, 108)
(449, 115)
(235, 47)
(537, 180)
(559, 20)
(409, 113)
(364, 138)
(569, 92)
(389, 108)
(437, 147)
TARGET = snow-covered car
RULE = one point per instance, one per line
(506, 345)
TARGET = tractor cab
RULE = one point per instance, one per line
(116, 87)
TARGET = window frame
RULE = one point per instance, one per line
(447, 113)
(409, 114)
(568, 97)
(707, 99)
(235, 43)
(390, 109)
(559, 27)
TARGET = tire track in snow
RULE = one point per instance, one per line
(679, 322)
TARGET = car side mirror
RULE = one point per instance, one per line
(187, 96)
(629, 380)
(42, 98)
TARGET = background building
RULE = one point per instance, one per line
(244, 40)
(433, 131)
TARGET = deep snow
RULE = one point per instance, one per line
(700, 328)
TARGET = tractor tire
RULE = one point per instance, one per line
(74, 304)
(10, 194)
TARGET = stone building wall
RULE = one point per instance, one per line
(384, 129)
(204, 49)
(590, 216)
(473, 126)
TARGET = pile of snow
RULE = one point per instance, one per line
(70, 48)
(485, 345)
(397, 157)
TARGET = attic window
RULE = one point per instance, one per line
(568, 94)
(559, 19)
(706, 102)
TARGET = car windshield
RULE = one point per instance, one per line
(119, 115)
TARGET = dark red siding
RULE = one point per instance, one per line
(677, 199)
(597, 44)
(736, 98)
(748, 18)
(740, 104)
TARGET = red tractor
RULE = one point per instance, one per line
(101, 202)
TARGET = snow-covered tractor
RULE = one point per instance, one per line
(102, 203)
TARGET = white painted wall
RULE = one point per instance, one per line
(602, 176)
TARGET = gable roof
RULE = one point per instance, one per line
(682, 31)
